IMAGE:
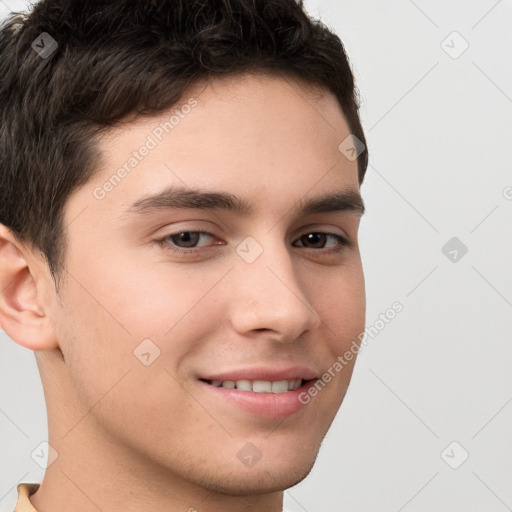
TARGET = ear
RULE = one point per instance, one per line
(22, 313)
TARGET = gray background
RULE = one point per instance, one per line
(439, 127)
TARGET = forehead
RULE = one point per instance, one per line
(253, 135)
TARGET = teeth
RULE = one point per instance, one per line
(262, 386)
(244, 385)
(259, 386)
(280, 386)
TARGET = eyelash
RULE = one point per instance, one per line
(165, 244)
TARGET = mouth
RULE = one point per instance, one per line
(263, 393)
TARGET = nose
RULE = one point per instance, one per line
(270, 298)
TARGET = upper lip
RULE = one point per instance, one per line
(266, 373)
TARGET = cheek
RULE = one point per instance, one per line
(107, 317)
(169, 304)
(117, 306)
(95, 347)
(144, 295)
(339, 299)
(341, 303)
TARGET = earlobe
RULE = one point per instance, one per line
(22, 316)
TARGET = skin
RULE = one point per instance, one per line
(132, 437)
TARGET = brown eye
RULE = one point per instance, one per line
(186, 239)
(318, 240)
(315, 240)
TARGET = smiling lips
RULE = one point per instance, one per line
(264, 392)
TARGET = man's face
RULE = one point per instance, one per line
(268, 295)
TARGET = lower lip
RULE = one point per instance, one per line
(264, 405)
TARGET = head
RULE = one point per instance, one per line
(147, 124)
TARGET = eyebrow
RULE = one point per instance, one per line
(187, 198)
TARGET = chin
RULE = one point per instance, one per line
(266, 476)
(257, 480)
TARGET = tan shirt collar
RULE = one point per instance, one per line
(24, 491)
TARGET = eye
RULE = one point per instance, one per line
(318, 240)
(188, 238)
(184, 240)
